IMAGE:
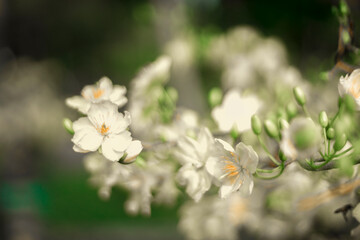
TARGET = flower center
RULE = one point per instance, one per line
(230, 169)
(103, 129)
(355, 88)
(97, 93)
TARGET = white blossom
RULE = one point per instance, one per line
(233, 168)
(193, 155)
(103, 90)
(105, 127)
(235, 111)
(350, 84)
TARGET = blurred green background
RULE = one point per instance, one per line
(54, 48)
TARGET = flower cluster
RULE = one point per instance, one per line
(261, 126)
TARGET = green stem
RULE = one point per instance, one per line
(266, 170)
(336, 115)
(326, 151)
(282, 167)
(306, 111)
(342, 153)
(267, 151)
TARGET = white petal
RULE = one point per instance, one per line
(120, 122)
(248, 157)
(103, 112)
(78, 149)
(87, 139)
(133, 151)
(82, 123)
(105, 84)
(247, 186)
(117, 95)
(114, 146)
(225, 191)
(226, 146)
(78, 103)
(214, 167)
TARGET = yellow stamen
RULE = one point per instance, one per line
(103, 130)
(97, 93)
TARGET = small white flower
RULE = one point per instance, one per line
(351, 85)
(233, 168)
(103, 90)
(235, 111)
(106, 127)
(193, 154)
(301, 140)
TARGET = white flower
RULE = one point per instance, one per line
(193, 154)
(146, 89)
(103, 90)
(233, 168)
(301, 139)
(235, 111)
(106, 127)
(351, 85)
(208, 219)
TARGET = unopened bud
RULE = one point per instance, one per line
(67, 123)
(256, 124)
(323, 119)
(330, 133)
(291, 110)
(283, 124)
(340, 142)
(299, 96)
(271, 129)
(215, 96)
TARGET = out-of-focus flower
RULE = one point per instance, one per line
(208, 219)
(235, 111)
(301, 140)
(146, 90)
(106, 127)
(350, 84)
(103, 90)
(233, 168)
(193, 155)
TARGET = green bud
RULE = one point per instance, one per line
(283, 124)
(215, 96)
(323, 119)
(343, 8)
(67, 123)
(299, 96)
(256, 124)
(340, 142)
(271, 129)
(324, 76)
(330, 133)
(349, 103)
(345, 37)
(234, 133)
(291, 110)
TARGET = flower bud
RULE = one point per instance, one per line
(299, 96)
(67, 123)
(291, 110)
(256, 124)
(283, 124)
(282, 156)
(215, 96)
(271, 129)
(340, 142)
(323, 119)
(330, 133)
